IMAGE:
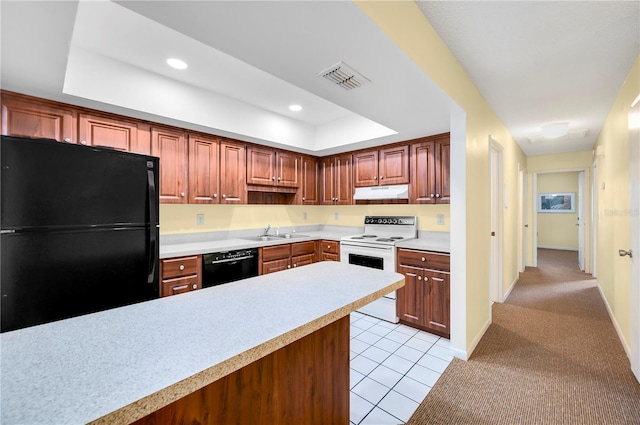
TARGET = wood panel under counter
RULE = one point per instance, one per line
(130, 362)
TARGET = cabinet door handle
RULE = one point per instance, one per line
(279, 178)
(420, 278)
(426, 278)
(215, 195)
(83, 142)
(381, 177)
(178, 288)
(328, 246)
(182, 194)
(432, 195)
(224, 196)
(422, 259)
(273, 178)
(295, 265)
(375, 177)
(289, 266)
(68, 140)
(195, 286)
(303, 198)
(437, 195)
(181, 267)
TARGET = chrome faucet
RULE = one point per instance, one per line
(266, 230)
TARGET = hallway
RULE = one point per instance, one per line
(551, 355)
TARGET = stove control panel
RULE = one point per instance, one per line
(394, 220)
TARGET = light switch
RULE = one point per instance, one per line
(200, 219)
(440, 218)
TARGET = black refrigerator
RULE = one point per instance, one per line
(79, 230)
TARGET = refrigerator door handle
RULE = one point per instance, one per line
(152, 225)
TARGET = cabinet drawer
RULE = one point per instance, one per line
(303, 260)
(183, 266)
(427, 260)
(179, 285)
(276, 266)
(330, 247)
(276, 252)
(303, 248)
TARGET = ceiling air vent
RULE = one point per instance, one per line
(344, 76)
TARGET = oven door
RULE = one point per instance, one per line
(380, 257)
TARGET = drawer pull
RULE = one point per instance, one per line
(179, 288)
(195, 286)
(422, 259)
(181, 267)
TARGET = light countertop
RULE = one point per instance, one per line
(118, 365)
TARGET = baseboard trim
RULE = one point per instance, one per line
(511, 287)
(562, 248)
(464, 355)
(623, 341)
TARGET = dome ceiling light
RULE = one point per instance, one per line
(555, 130)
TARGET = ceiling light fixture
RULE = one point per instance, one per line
(295, 108)
(177, 63)
(555, 130)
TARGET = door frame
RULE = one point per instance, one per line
(522, 219)
(496, 177)
(594, 218)
(585, 201)
(634, 224)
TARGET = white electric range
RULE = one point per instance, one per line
(376, 248)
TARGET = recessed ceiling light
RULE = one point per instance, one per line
(177, 63)
(295, 108)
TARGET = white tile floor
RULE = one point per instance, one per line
(393, 367)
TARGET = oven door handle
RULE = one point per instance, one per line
(229, 260)
(379, 248)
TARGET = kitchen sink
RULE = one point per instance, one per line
(291, 236)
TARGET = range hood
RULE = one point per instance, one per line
(399, 191)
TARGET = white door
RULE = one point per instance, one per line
(580, 221)
(634, 217)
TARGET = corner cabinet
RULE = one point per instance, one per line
(429, 171)
(178, 275)
(381, 167)
(424, 301)
(336, 181)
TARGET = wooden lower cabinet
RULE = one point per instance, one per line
(281, 257)
(330, 250)
(305, 382)
(179, 275)
(424, 302)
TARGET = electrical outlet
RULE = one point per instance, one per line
(304, 215)
(440, 218)
(336, 216)
(200, 219)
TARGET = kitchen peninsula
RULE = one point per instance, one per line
(269, 348)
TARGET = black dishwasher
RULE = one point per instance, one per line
(228, 266)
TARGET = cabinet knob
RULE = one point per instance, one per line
(289, 266)
(181, 266)
(67, 139)
(422, 259)
(381, 177)
(273, 178)
(195, 286)
(83, 142)
(215, 195)
(182, 194)
(375, 177)
(432, 195)
(437, 195)
(328, 246)
(279, 178)
(224, 196)
(295, 265)
(303, 198)
(419, 277)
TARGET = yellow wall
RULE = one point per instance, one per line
(557, 229)
(182, 218)
(613, 204)
(405, 24)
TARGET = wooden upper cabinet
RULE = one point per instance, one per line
(381, 167)
(171, 147)
(336, 183)
(204, 171)
(24, 116)
(233, 183)
(443, 178)
(430, 181)
(96, 130)
(272, 168)
(309, 188)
